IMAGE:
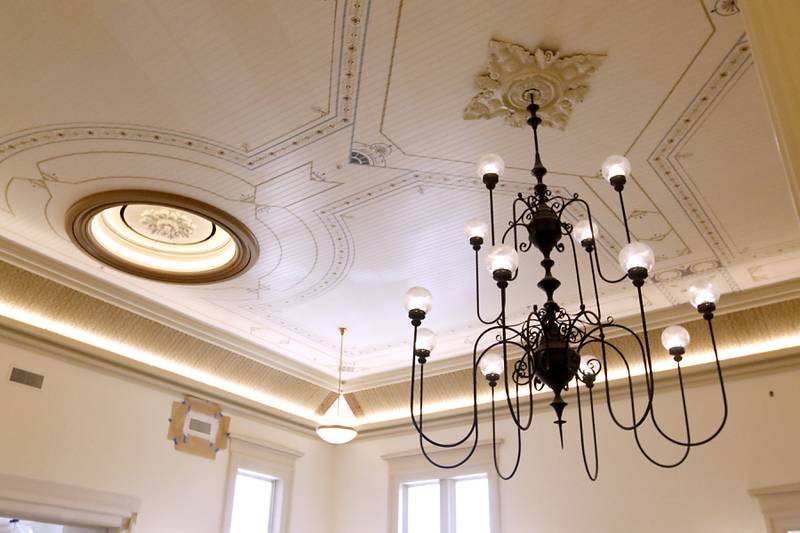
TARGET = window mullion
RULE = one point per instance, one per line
(404, 510)
(447, 501)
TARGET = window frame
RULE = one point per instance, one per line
(780, 506)
(406, 468)
(271, 461)
(56, 503)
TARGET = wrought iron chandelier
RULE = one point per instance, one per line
(557, 348)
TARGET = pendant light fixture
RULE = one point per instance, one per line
(338, 433)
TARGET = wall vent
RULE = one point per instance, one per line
(24, 377)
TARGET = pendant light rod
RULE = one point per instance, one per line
(342, 331)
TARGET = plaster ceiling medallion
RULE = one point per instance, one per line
(161, 236)
(513, 73)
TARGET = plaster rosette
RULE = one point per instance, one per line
(557, 82)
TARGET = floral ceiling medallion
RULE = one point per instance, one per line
(513, 72)
(168, 223)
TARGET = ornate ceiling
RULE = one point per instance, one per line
(335, 130)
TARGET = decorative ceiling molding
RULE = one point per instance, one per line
(513, 72)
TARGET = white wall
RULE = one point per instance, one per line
(91, 429)
(551, 493)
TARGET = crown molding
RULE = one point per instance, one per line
(737, 301)
(109, 363)
(53, 270)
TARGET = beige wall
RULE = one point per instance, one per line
(551, 494)
(99, 431)
(94, 430)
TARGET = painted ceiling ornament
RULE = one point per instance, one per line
(167, 223)
(725, 8)
(513, 72)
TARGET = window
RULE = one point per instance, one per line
(424, 502)
(252, 503)
(259, 485)
(453, 505)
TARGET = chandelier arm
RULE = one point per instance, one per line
(634, 422)
(473, 447)
(514, 220)
(566, 202)
(515, 415)
(491, 213)
(719, 429)
(473, 430)
(418, 425)
(592, 476)
(505, 342)
(649, 374)
(593, 250)
(527, 425)
(478, 294)
(679, 462)
(494, 447)
(624, 216)
(687, 448)
(577, 274)
(603, 343)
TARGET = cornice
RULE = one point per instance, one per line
(53, 270)
(109, 363)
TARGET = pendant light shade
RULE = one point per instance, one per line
(335, 434)
(337, 431)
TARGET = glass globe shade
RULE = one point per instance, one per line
(426, 340)
(491, 363)
(476, 228)
(616, 165)
(502, 257)
(582, 231)
(336, 434)
(675, 337)
(418, 298)
(703, 292)
(490, 164)
(635, 255)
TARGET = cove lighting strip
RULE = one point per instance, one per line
(152, 359)
(158, 361)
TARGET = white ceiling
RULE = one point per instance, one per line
(256, 107)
